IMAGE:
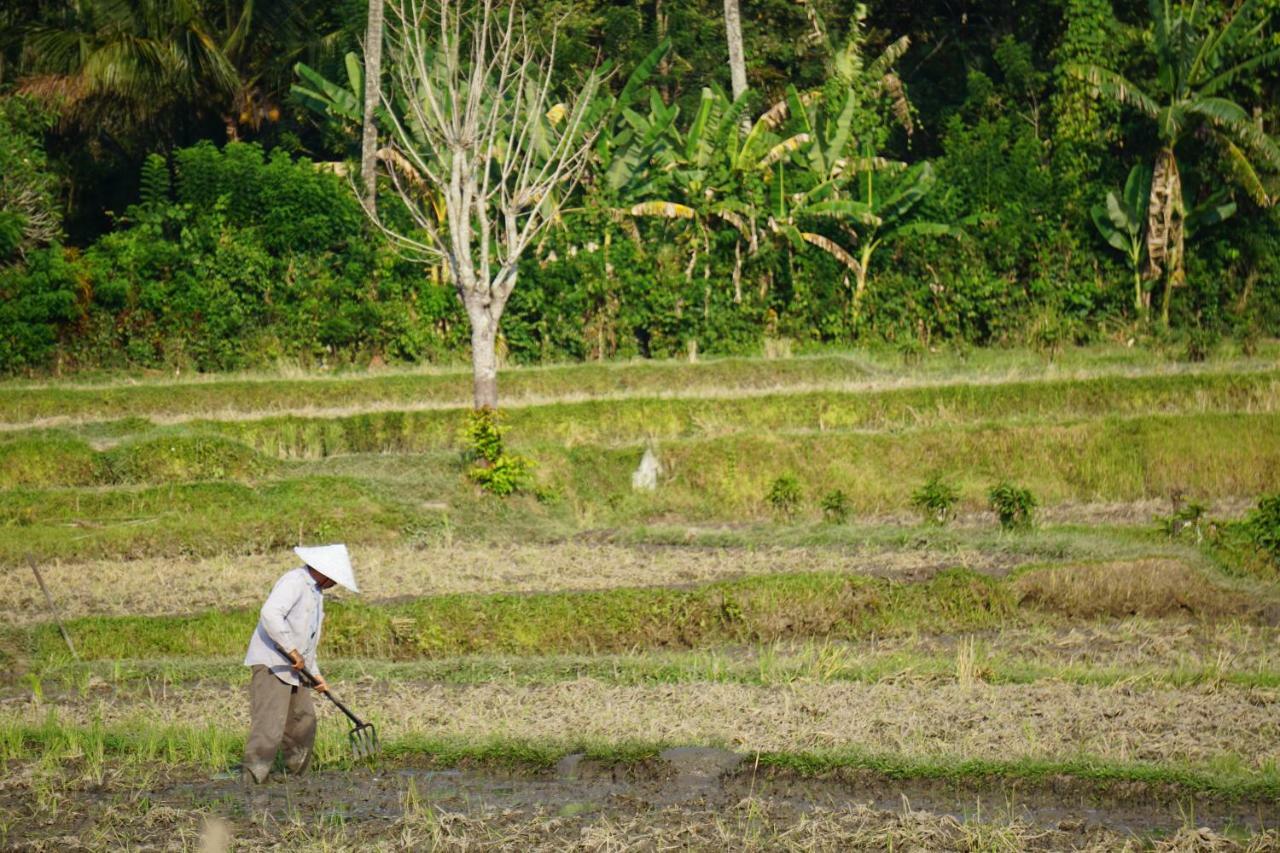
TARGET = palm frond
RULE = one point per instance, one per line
(1242, 169)
(843, 210)
(889, 58)
(832, 248)
(1219, 111)
(1215, 43)
(782, 149)
(663, 210)
(924, 229)
(1220, 81)
(1116, 87)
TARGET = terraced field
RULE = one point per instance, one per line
(590, 667)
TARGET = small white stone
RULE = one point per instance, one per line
(645, 477)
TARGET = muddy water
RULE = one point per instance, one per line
(702, 779)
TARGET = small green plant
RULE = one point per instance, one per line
(1013, 505)
(911, 350)
(935, 500)
(1049, 332)
(835, 506)
(785, 495)
(1200, 344)
(490, 466)
(1184, 520)
(1263, 527)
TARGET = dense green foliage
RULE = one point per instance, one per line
(912, 175)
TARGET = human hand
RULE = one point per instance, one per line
(320, 685)
(296, 659)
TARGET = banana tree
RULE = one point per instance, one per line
(708, 174)
(1120, 220)
(874, 218)
(1196, 64)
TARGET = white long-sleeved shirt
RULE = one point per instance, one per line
(290, 619)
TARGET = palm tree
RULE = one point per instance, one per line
(737, 61)
(121, 62)
(126, 64)
(1196, 64)
(372, 80)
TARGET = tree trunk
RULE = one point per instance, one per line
(484, 358)
(372, 87)
(1164, 227)
(737, 63)
(859, 288)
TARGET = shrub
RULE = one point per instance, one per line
(835, 506)
(1014, 506)
(785, 495)
(489, 465)
(935, 500)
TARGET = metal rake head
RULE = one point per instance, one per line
(364, 742)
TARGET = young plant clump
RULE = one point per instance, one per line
(1013, 505)
(785, 496)
(490, 466)
(935, 500)
(835, 506)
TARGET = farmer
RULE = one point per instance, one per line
(280, 709)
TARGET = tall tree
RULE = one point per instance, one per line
(1196, 64)
(372, 77)
(737, 61)
(483, 154)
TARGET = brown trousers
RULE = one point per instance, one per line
(281, 717)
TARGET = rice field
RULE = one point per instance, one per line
(589, 667)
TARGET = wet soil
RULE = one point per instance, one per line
(691, 783)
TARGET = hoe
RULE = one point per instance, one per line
(363, 737)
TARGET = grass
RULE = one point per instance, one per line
(128, 397)
(507, 634)
(632, 421)
(752, 610)
(1117, 459)
(218, 747)
(757, 609)
(190, 519)
(1012, 655)
(1151, 588)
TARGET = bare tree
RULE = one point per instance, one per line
(372, 78)
(481, 154)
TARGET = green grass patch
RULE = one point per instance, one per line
(53, 460)
(185, 458)
(50, 459)
(766, 666)
(753, 610)
(191, 519)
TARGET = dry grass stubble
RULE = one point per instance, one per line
(1045, 720)
(1151, 588)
